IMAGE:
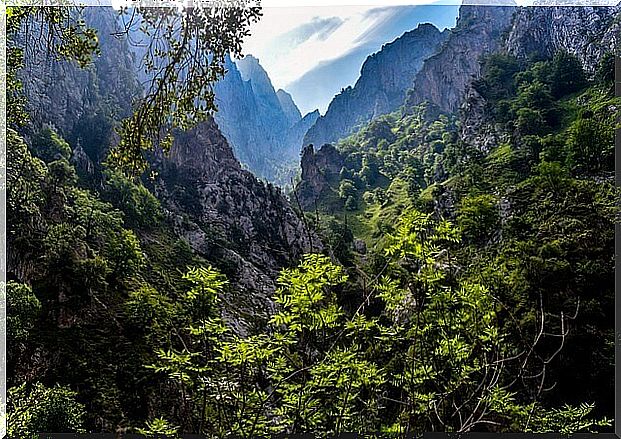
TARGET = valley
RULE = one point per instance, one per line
(435, 252)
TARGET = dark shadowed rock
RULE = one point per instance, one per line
(245, 226)
(320, 172)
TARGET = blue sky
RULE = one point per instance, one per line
(313, 52)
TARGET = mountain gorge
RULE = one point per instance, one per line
(264, 126)
(445, 261)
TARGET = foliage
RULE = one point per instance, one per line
(141, 208)
(478, 216)
(34, 408)
(183, 61)
(48, 146)
(525, 203)
(159, 427)
(23, 308)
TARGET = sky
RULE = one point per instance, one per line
(313, 52)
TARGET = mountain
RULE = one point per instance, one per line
(261, 124)
(381, 88)
(291, 110)
(508, 133)
(224, 213)
(339, 67)
(445, 76)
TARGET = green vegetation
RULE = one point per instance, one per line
(489, 268)
(535, 208)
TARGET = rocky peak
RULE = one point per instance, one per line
(381, 88)
(244, 226)
(320, 173)
(253, 72)
(261, 125)
(444, 77)
(291, 110)
(203, 153)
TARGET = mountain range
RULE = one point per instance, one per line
(457, 204)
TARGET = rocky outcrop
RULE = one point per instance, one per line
(538, 33)
(288, 106)
(262, 125)
(320, 174)
(585, 31)
(381, 88)
(444, 77)
(242, 225)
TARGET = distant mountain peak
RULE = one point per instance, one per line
(289, 107)
(381, 87)
(264, 126)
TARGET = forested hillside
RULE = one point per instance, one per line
(443, 268)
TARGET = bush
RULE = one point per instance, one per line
(478, 217)
(23, 308)
(49, 146)
(33, 409)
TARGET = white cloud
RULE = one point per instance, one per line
(287, 47)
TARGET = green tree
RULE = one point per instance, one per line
(567, 75)
(23, 309)
(478, 217)
(34, 409)
(49, 146)
(590, 145)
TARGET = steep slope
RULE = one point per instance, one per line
(541, 32)
(84, 101)
(240, 119)
(445, 76)
(244, 226)
(384, 79)
(262, 125)
(524, 164)
(291, 110)
(249, 222)
(587, 33)
(268, 102)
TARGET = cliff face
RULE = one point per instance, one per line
(584, 31)
(246, 227)
(72, 99)
(262, 125)
(444, 77)
(384, 79)
(320, 174)
(291, 110)
(540, 32)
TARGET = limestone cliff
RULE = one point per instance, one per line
(444, 77)
(244, 226)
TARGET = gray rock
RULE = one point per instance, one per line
(384, 80)
(444, 77)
